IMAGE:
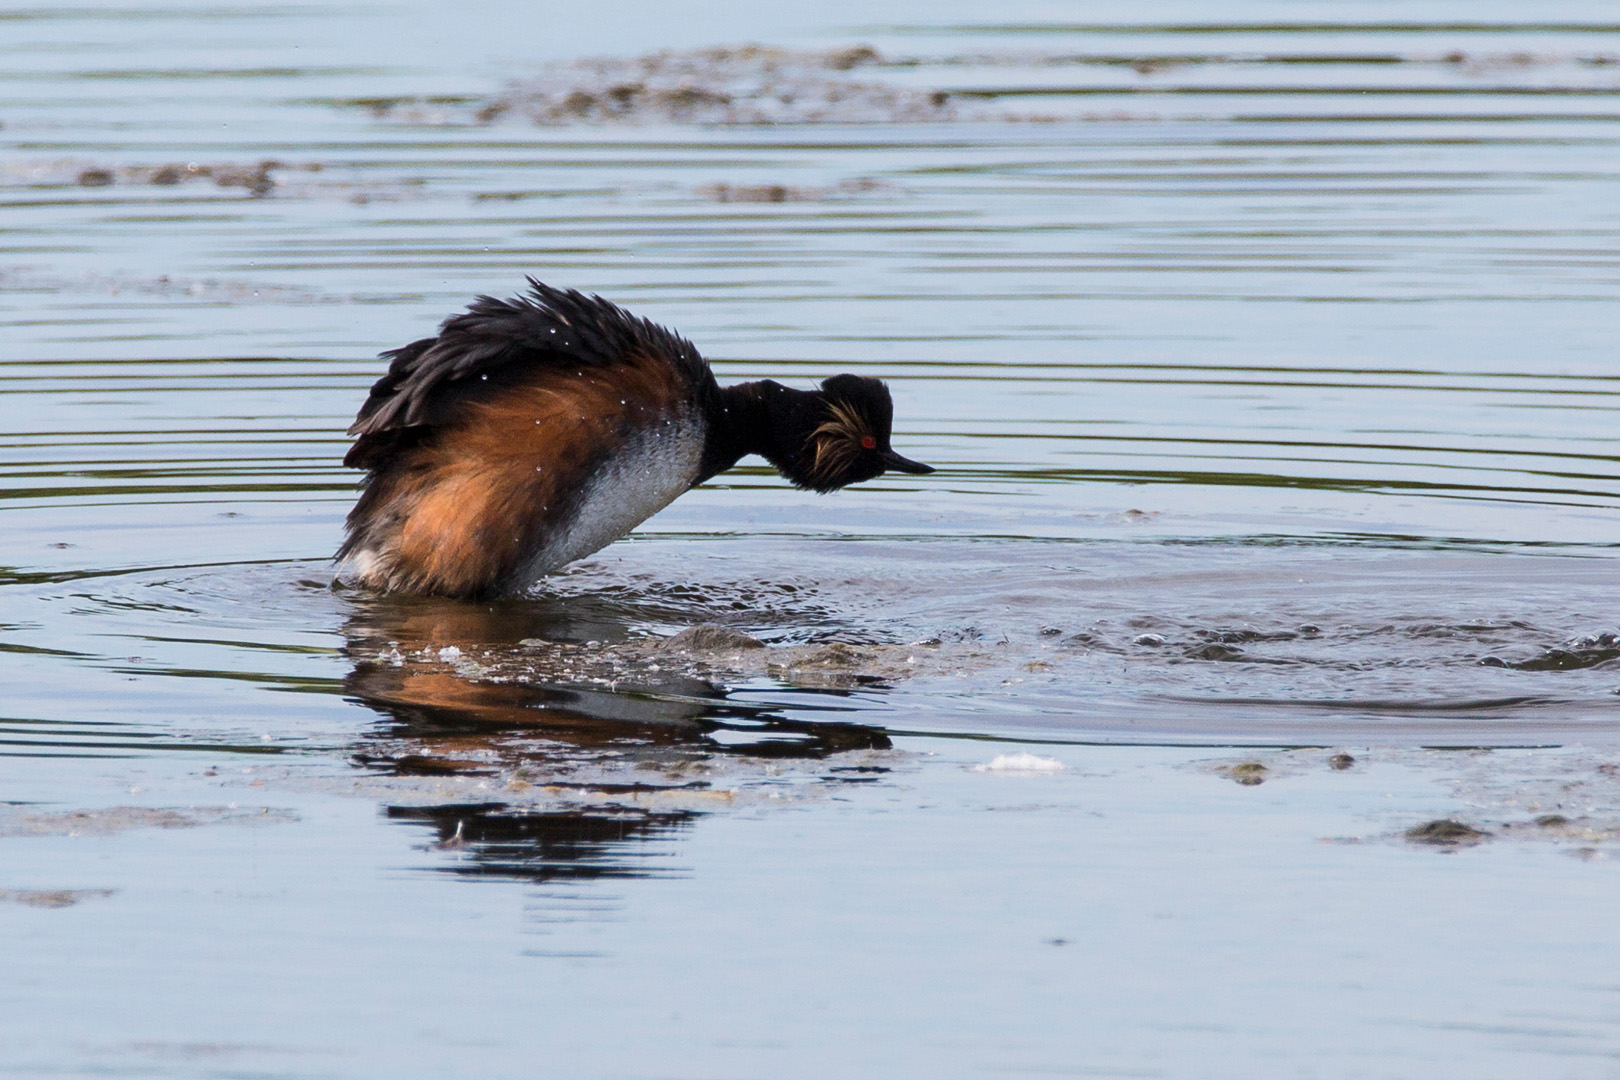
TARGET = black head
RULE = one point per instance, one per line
(849, 439)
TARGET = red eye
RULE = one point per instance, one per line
(868, 442)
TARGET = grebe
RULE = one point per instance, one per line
(534, 431)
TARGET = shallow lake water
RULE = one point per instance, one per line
(1241, 696)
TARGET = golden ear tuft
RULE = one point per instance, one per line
(838, 440)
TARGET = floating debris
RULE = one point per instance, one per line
(707, 637)
(115, 819)
(256, 179)
(1587, 651)
(761, 84)
(51, 898)
(784, 193)
(208, 290)
(1248, 773)
(1215, 651)
(310, 179)
(1446, 832)
(748, 84)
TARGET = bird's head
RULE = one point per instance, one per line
(849, 439)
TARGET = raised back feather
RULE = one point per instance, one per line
(496, 342)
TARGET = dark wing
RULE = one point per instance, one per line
(494, 343)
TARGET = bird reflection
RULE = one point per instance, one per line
(528, 720)
(549, 845)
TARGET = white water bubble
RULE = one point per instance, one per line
(1022, 762)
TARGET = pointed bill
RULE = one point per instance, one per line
(893, 460)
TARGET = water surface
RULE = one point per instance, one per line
(1267, 362)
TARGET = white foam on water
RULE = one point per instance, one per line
(1022, 762)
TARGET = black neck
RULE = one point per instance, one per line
(764, 418)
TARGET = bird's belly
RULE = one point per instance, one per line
(640, 479)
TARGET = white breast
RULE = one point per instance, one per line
(642, 478)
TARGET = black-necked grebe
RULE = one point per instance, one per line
(531, 432)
